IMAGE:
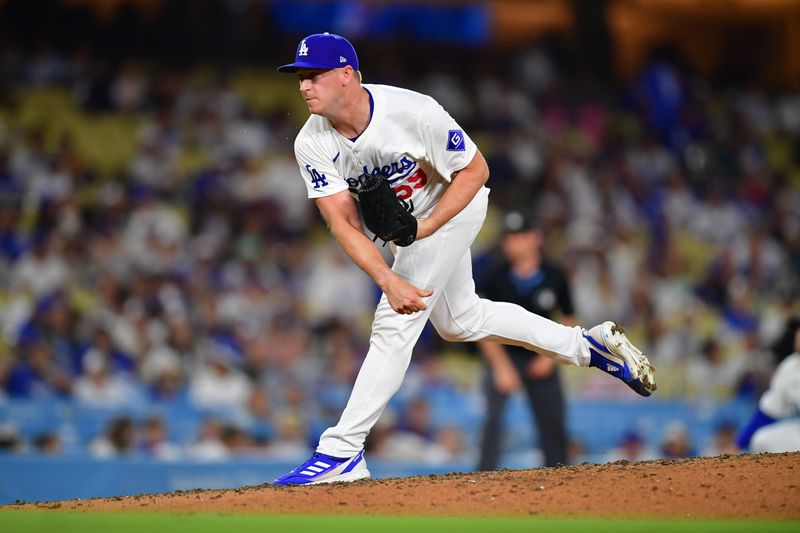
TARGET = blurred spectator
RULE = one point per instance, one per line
(218, 383)
(117, 360)
(209, 445)
(10, 441)
(158, 361)
(41, 270)
(676, 442)
(596, 293)
(341, 366)
(448, 446)
(632, 447)
(48, 444)
(714, 373)
(54, 324)
(376, 440)
(718, 222)
(168, 387)
(290, 441)
(723, 441)
(324, 298)
(413, 434)
(154, 443)
(12, 242)
(129, 89)
(289, 193)
(154, 167)
(119, 440)
(34, 374)
(98, 386)
(260, 415)
(154, 234)
(238, 441)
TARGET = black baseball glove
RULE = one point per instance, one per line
(386, 215)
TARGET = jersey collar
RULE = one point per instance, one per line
(371, 111)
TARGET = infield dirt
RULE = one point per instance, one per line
(765, 486)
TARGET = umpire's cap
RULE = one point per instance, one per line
(517, 221)
(323, 51)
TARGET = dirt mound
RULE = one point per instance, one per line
(744, 486)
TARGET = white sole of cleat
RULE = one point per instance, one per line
(640, 366)
(353, 475)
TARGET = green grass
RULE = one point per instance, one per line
(66, 522)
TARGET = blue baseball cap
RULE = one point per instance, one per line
(323, 51)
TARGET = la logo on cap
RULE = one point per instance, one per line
(303, 49)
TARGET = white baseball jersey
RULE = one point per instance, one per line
(782, 400)
(410, 139)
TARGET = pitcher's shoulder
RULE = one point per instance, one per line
(400, 97)
(790, 365)
(315, 131)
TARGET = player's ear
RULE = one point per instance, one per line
(347, 74)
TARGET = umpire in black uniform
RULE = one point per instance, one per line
(526, 278)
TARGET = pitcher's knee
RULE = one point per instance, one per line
(463, 328)
(451, 333)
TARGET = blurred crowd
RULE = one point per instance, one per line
(674, 205)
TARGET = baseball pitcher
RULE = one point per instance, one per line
(418, 181)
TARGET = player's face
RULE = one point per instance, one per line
(320, 88)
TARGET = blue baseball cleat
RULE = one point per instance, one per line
(613, 353)
(321, 468)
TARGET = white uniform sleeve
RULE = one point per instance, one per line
(317, 168)
(449, 148)
(782, 400)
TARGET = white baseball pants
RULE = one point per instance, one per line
(781, 436)
(442, 263)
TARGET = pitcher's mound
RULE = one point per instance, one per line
(743, 486)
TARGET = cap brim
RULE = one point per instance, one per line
(294, 67)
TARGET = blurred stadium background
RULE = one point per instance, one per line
(174, 315)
